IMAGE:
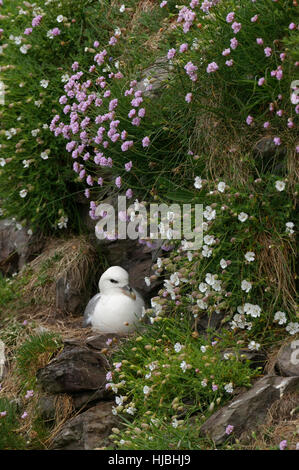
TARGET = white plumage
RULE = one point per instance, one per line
(117, 308)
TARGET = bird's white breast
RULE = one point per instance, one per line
(117, 313)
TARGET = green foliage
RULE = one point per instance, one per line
(9, 438)
(166, 375)
(36, 351)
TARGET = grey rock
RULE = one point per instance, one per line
(270, 157)
(100, 341)
(77, 369)
(256, 358)
(156, 75)
(16, 246)
(2, 360)
(249, 409)
(287, 362)
(46, 407)
(87, 431)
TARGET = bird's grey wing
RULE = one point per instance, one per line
(90, 309)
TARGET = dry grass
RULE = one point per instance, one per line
(275, 266)
(282, 423)
(72, 258)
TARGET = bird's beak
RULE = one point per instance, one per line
(127, 290)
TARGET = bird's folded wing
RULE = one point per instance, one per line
(89, 310)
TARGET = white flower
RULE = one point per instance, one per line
(223, 263)
(122, 8)
(18, 40)
(280, 317)
(175, 423)
(209, 240)
(198, 182)
(34, 132)
(44, 83)
(210, 279)
(183, 366)
(2, 162)
(289, 227)
(203, 349)
(24, 48)
(204, 383)
(221, 187)
(26, 163)
(174, 279)
(209, 213)
(202, 305)
(254, 346)
(146, 390)
(280, 185)
(59, 18)
(229, 388)
(44, 155)
(62, 223)
(65, 78)
(147, 281)
(242, 216)
(119, 400)
(159, 262)
(178, 347)
(217, 285)
(23, 193)
(131, 410)
(253, 310)
(246, 285)
(38, 103)
(206, 251)
(250, 256)
(189, 255)
(293, 328)
(203, 287)
(29, 232)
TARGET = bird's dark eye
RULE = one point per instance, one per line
(114, 281)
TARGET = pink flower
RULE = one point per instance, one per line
(230, 17)
(261, 81)
(249, 120)
(183, 47)
(163, 4)
(188, 97)
(259, 41)
(171, 53)
(229, 63)
(282, 56)
(96, 44)
(236, 27)
(126, 145)
(28, 31)
(266, 124)
(128, 166)
(226, 52)
(129, 193)
(254, 18)
(145, 141)
(234, 43)
(118, 181)
(24, 415)
(268, 51)
(283, 445)
(56, 31)
(277, 140)
(212, 67)
(36, 21)
(292, 26)
(229, 429)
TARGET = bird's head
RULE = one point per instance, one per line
(116, 278)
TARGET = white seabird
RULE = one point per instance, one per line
(117, 308)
